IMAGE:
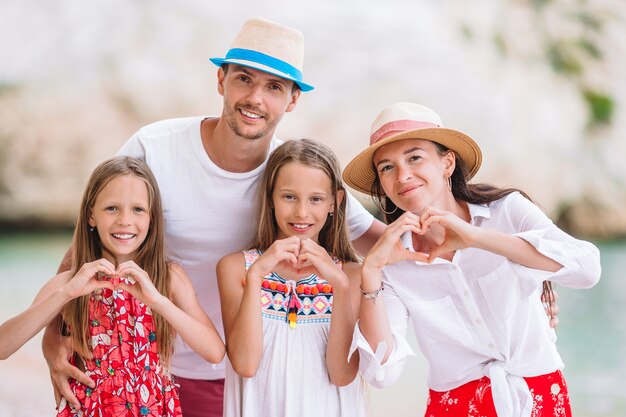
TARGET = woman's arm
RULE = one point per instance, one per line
(373, 321)
(48, 303)
(183, 311)
(460, 235)
(381, 337)
(536, 243)
(514, 249)
(241, 313)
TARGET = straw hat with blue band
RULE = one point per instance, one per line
(409, 121)
(270, 47)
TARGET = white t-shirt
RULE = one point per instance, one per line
(209, 213)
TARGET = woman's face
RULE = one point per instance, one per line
(413, 174)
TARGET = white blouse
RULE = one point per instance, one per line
(481, 314)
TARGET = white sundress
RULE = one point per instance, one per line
(292, 379)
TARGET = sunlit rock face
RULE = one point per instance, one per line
(77, 80)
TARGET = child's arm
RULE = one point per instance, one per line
(346, 297)
(183, 311)
(241, 306)
(341, 368)
(49, 302)
(241, 314)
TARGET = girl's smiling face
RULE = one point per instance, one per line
(302, 200)
(121, 215)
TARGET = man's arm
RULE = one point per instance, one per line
(364, 242)
(66, 262)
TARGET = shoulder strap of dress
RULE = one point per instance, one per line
(338, 262)
(251, 256)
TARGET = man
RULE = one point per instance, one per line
(208, 171)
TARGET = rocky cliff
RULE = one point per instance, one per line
(540, 91)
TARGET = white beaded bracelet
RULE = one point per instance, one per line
(372, 295)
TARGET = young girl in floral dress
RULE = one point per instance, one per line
(122, 302)
(290, 303)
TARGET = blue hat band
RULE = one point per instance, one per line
(263, 59)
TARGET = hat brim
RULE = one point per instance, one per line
(221, 61)
(359, 174)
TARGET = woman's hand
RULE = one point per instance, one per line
(458, 234)
(389, 250)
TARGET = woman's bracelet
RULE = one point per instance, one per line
(372, 295)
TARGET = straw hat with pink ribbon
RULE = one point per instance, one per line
(409, 121)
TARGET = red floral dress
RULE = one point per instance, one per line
(125, 364)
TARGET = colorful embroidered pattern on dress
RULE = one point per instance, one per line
(312, 298)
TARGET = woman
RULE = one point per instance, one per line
(465, 264)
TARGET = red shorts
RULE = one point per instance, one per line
(201, 398)
(549, 392)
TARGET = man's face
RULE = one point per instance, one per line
(254, 101)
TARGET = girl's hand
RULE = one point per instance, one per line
(389, 250)
(314, 256)
(282, 251)
(143, 289)
(86, 279)
(459, 234)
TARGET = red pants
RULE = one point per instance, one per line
(201, 398)
(549, 392)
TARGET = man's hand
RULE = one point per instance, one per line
(552, 311)
(57, 351)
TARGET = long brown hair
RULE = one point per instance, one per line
(461, 190)
(86, 247)
(333, 237)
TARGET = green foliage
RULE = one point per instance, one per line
(500, 43)
(589, 21)
(540, 4)
(600, 106)
(590, 48)
(467, 31)
(563, 59)
(571, 55)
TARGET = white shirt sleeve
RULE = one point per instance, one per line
(357, 217)
(133, 147)
(580, 259)
(381, 376)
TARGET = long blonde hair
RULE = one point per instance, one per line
(333, 236)
(86, 247)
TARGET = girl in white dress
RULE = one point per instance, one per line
(290, 303)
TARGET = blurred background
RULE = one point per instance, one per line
(540, 84)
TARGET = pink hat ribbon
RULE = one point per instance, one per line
(398, 126)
